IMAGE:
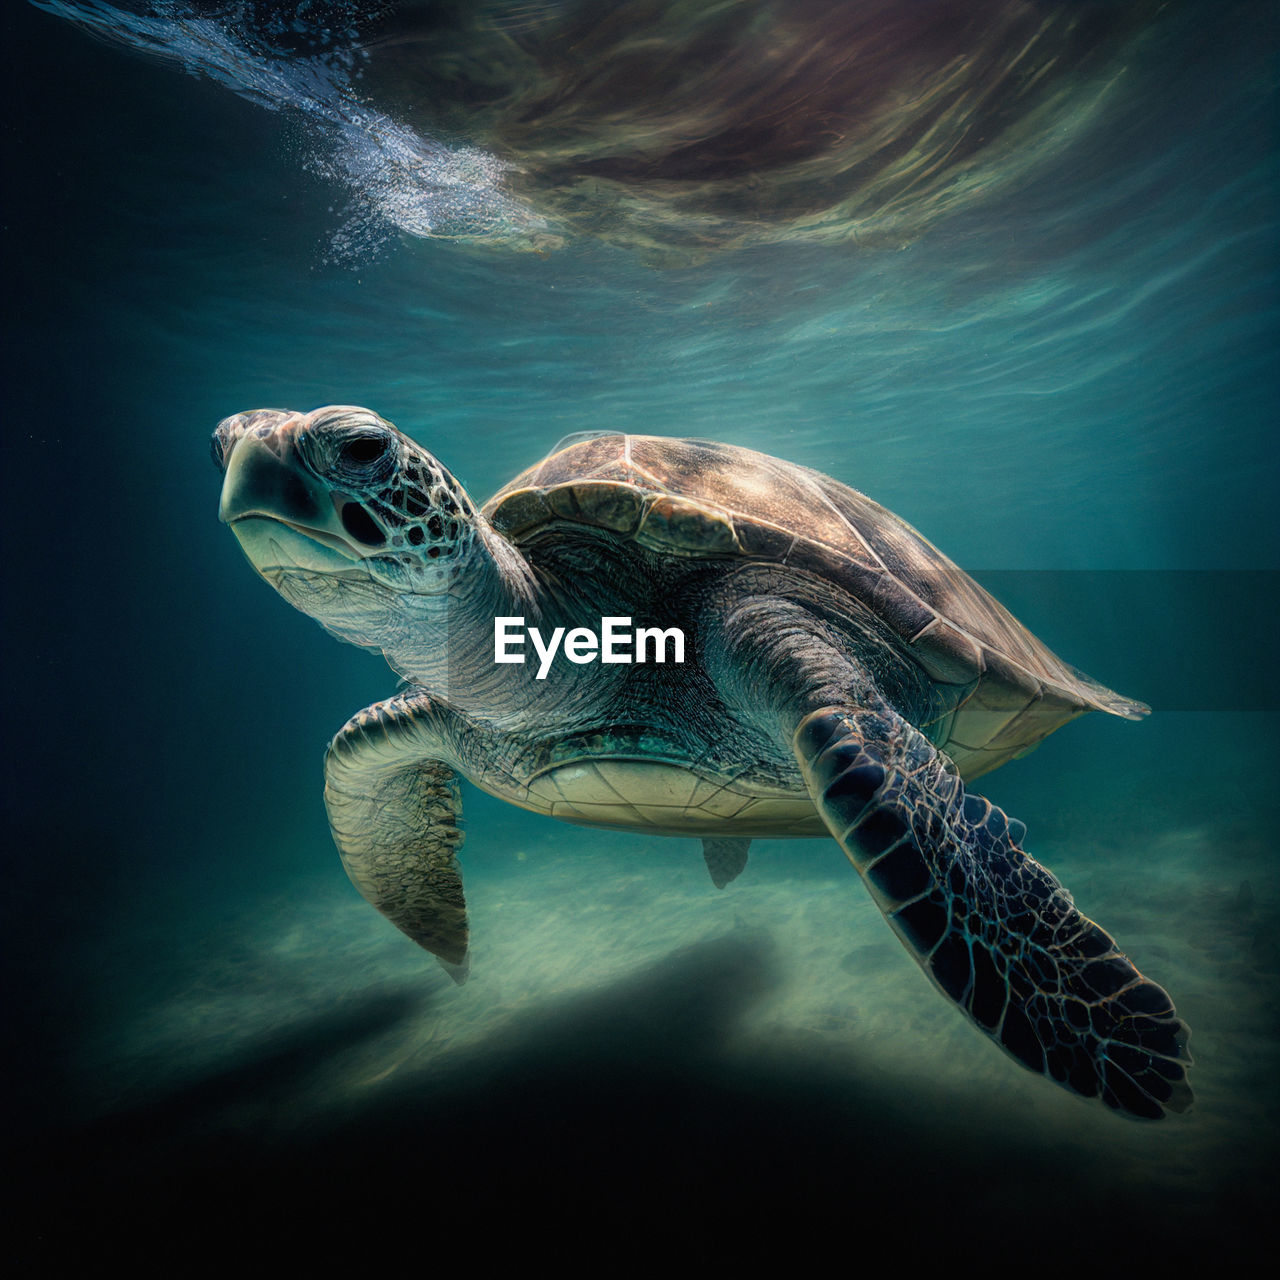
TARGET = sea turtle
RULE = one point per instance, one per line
(841, 678)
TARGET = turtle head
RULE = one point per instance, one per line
(343, 514)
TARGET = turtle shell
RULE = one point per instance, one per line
(1002, 689)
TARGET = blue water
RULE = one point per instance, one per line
(1064, 376)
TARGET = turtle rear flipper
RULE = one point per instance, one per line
(993, 928)
(394, 810)
(726, 856)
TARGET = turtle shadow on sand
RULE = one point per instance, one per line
(631, 1106)
(251, 1089)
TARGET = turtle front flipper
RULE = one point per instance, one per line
(993, 928)
(393, 809)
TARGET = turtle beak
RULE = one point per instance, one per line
(282, 514)
(265, 477)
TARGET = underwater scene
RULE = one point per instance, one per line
(1006, 267)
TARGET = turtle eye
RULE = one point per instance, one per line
(365, 451)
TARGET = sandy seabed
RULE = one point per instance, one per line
(632, 1040)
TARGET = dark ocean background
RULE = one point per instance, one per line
(1066, 379)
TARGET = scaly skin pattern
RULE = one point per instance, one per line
(993, 928)
(394, 810)
(995, 931)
